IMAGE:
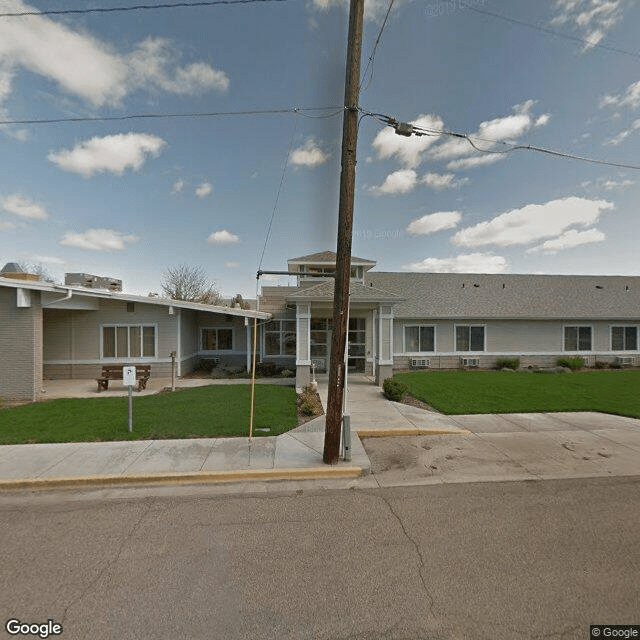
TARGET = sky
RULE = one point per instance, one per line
(131, 198)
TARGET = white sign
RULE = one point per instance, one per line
(128, 376)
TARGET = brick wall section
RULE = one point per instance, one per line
(20, 347)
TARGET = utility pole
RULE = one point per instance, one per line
(345, 227)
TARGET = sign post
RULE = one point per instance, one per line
(129, 379)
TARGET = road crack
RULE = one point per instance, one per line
(422, 566)
(111, 563)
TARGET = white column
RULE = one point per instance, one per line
(303, 334)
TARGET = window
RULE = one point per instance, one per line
(577, 338)
(280, 338)
(470, 338)
(419, 339)
(217, 339)
(129, 341)
(624, 338)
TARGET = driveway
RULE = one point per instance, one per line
(517, 446)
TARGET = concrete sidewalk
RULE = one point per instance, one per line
(461, 449)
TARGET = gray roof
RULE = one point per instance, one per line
(327, 257)
(358, 293)
(110, 295)
(453, 295)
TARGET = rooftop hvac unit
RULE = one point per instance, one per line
(470, 362)
(420, 363)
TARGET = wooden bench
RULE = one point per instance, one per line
(114, 372)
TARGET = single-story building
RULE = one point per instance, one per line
(397, 321)
(50, 331)
(449, 320)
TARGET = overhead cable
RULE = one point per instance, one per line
(139, 7)
(407, 129)
(211, 114)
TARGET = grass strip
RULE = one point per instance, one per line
(460, 392)
(205, 412)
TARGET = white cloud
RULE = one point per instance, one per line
(466, 263)
(112, 153)
(98, 240)
(570, 239)
(204, 189)
(624, 134)
(440, 181)
(374, 10)
(48, 260)
(475, 161)
(592, 18)
(177, 187)
(232, 265)
(23, 207)
(409, 151)
(308, 155)
(433, 222)
(609, 185)
(401, 181)
(152, 57)
(6, 225)
(630, 98)
(533, 222)
(489, 134)
(90, 68)
(223, 237)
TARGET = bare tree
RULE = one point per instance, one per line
(190, 284)
(38, 269)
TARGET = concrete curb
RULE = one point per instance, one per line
(245, 475)
(393, 433)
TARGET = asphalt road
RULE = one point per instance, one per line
(539, 559)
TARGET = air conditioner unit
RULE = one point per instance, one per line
(470, 362)
(420, 363)
(627, 361)
(319, 364)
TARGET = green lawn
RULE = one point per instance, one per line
(458, 392)
(216, 410)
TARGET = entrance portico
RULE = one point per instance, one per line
(370, 334)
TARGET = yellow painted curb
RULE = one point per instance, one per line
(392, 433)
(244, 475)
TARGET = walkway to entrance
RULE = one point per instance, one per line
(373, 415)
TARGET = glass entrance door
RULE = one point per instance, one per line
(357, 347)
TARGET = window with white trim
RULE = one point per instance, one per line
(624, 338)
(469, 338)
(419, 338)
(129, 341)
(280, 338)
(216, 339)
(577, 338)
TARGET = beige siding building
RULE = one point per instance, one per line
(70, 332)
(445, 320)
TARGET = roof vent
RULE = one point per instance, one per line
(92, 282)
(16, 272)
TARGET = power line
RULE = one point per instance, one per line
(212, 114)
(552, 32)
(140, 7)
(275, 205)
(375, 46)
(406, 129)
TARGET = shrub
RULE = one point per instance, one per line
(266, 369)
(601, 365)
(286, 373)
(307, 409)
(508, 363)
(571, 363)
(394, 389)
